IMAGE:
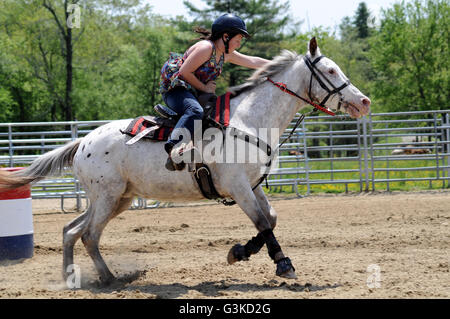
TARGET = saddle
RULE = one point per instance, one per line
(216, 112)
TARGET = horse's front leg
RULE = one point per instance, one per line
(258, 209)
(254, 245)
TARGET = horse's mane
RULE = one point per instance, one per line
(276, 65)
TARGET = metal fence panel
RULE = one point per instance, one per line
(379, 145)
(375, 145)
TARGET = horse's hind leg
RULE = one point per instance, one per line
(105, 210)
(71, 233)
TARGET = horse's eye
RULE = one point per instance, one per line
(331, 71)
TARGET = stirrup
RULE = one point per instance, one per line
(165, 112)
(189, 150)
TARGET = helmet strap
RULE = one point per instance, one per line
(227, 44)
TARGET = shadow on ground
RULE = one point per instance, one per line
(210, 289)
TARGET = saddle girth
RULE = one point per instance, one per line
(204, 180)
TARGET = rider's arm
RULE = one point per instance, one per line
(198, 56)
(252, 62)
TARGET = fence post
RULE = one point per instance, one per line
(447, 145)
(366, 155)
(74, 136)
(305, 157)
(371, 151)
(331, 153)
(42, 144)
(11, 151)
(436, 146)
(358, 126)
(298, 154)
(387, 160)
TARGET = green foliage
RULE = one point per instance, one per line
(411, 58)
(118, 52)
(362, 21)
(353, 47)
(117, 57)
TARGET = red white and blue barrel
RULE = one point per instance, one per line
(16, 223)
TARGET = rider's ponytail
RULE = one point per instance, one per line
(205, 34)
(208, 35)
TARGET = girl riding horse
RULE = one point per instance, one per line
(183, 78)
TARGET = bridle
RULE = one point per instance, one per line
(314, 73)
(321, 106)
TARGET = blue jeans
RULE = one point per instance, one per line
(185, 104)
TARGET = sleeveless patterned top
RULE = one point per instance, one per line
(170, 72)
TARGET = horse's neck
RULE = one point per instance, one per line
(267, 107)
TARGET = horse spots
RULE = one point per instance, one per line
(89, 155)
(83, 148)
(106, 153)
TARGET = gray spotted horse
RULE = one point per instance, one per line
(113, 172)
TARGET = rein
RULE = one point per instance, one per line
(284, 88)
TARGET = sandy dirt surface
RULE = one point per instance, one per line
(398, 243)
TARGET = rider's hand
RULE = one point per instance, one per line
(210, 87)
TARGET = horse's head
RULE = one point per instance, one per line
(329, 86)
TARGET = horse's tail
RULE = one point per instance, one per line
(49, 164)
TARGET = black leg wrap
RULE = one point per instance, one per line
(272, 245)
(239, 252)
(283, 266)
(254, 245)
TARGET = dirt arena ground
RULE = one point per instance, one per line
(180, 252)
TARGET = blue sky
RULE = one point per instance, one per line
(327, 13)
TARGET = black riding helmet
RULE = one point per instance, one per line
(231, 24)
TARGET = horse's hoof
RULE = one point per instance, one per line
(107, 281)
(230, 258)
(285, 269)
(290, 274)
(236, 253)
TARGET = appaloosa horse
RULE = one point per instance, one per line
(112, 172)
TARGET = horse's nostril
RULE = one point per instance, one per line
(366, 102)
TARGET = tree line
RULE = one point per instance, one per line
(94, 60)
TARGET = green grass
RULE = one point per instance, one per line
(355, 187)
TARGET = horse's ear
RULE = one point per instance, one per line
(313, 46)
